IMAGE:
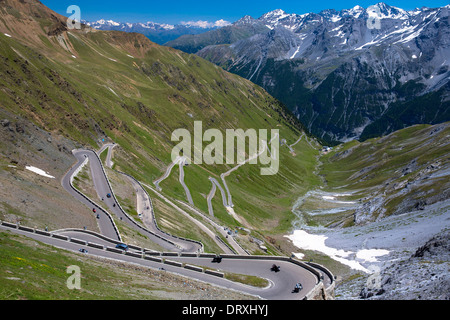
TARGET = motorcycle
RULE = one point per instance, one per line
(275, 268)
(297, 288)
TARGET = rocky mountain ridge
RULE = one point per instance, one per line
(349, 74)
(423, 276)
(158, 32)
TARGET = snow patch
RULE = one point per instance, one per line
(306, 241)
(370, 255)
(335, 18)
(39, 172)
(337, 28)
(411, 37)
(113, 91)
(295, 53)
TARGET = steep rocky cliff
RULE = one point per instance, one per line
(342, 76)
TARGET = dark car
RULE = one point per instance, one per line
(122, 246)
(108, 195)
(217, 259)
(83, 250)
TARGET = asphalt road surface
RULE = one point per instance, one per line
(106, 224)
(281, 284)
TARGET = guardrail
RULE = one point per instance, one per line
(78, 241)
(89, 200)
(145, 254)
(225, 244)
(77, 170)
(149, 254)
(158, 257)
(154, 218)
(122, 210)
(276, 258)
(330, 289)
(194, 268)
(213, 223)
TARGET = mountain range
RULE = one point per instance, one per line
(349, 74)
(159, 32)
(89, 85)
(65, 89)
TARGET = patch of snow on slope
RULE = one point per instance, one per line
(39, 172)
(306, 241)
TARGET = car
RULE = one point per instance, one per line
(217, 259)
(122, 246)
(83, 250)
(94, 210)
(108, 195)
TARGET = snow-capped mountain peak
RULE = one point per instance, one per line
(385, 11)
(380, 48)
(245, 20)
(103, 22)
(159, 32)
(355, 12)
(273, 18)
(277, 13)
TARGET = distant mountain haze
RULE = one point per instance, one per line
(159, 32)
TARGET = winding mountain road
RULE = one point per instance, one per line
(211, 194)
(181, 164)
(280, 285)
(105, 221)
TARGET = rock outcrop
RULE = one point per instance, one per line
(424, 276)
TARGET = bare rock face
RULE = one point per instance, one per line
(424, 276)
(341, 76)
(5, 123)
(365, 213)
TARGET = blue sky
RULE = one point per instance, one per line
(175, 11)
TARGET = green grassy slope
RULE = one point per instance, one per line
(89, 85)
(34, 271)
(400, 169)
